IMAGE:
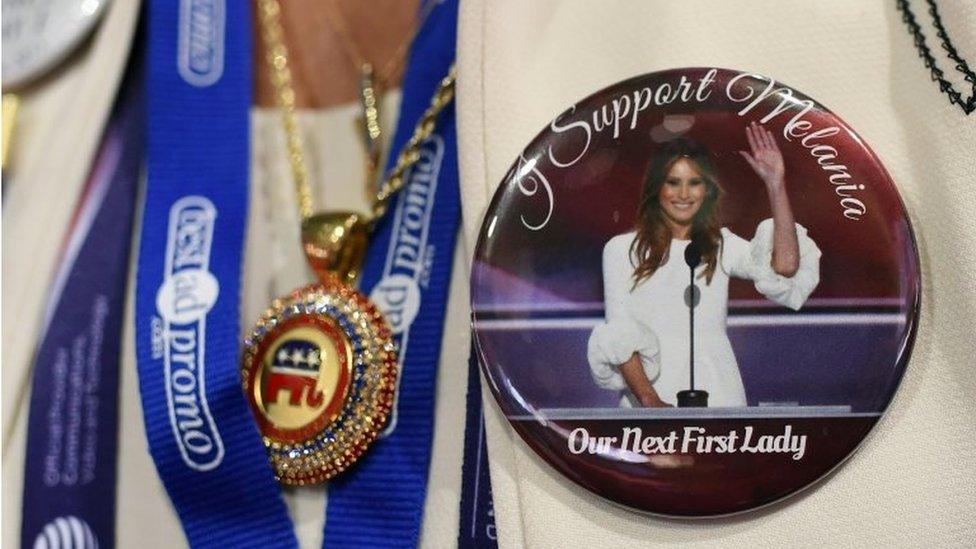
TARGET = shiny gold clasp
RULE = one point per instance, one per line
(335, 244)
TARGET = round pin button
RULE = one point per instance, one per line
(39, 35)
(695, 292)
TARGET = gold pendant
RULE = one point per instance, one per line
(319, 368)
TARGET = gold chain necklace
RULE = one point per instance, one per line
(319, 369)
(383, 76)
(372, 83)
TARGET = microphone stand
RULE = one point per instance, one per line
(692, 398)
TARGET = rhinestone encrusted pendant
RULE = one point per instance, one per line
(319, 372)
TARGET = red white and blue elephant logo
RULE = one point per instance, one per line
(295, 369)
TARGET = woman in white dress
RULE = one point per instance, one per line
(642, 349)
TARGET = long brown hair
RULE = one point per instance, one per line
(653, 241)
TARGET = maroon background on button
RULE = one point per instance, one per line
(869, 267)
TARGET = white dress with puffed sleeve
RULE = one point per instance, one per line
(651, 319)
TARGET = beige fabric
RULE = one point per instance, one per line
(911, 483)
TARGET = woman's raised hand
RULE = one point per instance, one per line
(766, 159)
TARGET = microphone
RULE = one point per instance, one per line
(693, 254)
(692, 398)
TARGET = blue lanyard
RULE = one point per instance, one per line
(407, 273)
(201, 434)
(72, 432)
(476, 528)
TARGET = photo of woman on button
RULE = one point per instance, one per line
(643, 348)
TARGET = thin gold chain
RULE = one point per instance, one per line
(411, 150)
(384, 75)
(277, 58)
